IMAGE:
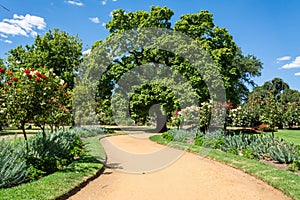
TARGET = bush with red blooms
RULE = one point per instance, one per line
(34, 96)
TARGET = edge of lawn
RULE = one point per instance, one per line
(285, 181)
(66, 182)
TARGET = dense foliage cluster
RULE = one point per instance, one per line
(45, 155)
(263, 147)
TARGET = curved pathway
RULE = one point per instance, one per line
(189, 177)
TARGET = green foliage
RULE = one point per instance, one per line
(13, 168)
(55, 50)
(260, 146)
(58, 184)
(238, 142)
(233, 151)
(294, 167)
(283, 152)
(199, 139)
(90, 131)
(236, 70)
(54, 151)
(168, 136)
(249, 153)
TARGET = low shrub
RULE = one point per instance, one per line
(283, 152)
(13, 168)
(266, 128)
(168, 136)
(294, 167)
(52, 152)
(198, 140)
(90, 131)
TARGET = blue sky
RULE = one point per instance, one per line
(269, 30)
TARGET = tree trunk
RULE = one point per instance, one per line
(161, 124)
(25, 136)
(43, 131)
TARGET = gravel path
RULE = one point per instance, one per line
(141, 170)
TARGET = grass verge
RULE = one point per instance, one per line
(61, 184)
(289, 135)
(285, 181)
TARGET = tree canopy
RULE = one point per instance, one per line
(236, 70)
(55, 50)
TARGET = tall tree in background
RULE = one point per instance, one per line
(236, 69)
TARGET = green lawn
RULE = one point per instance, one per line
(289, 135)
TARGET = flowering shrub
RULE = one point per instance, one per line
(264, 127)
(208, 114)
(291, 114)
(33, 95)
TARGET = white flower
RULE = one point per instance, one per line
(21, 69)
(62, 81)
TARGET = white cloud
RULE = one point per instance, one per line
(114, 0)
(76, 3)
(22, 25)
(4, 36)
(297, 74)
(103, 2)
(8, 41)
(87, 52)
(103, 24)
(95, 20)
(293, 64)
(284, 58)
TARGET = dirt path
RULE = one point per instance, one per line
(189, 177)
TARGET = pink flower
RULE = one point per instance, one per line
(10, 73)
(8, 83)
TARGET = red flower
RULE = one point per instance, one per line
(230, 106)
(15, 79)
(37, 79)
(177, 112)
(38, 74)
(29, 76)
(270, 90)
(10, 73)
(8, 83)
(2, 70)
(43, 77)
(27, 71)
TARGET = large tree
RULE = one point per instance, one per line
(236, 70)
(55, 50)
